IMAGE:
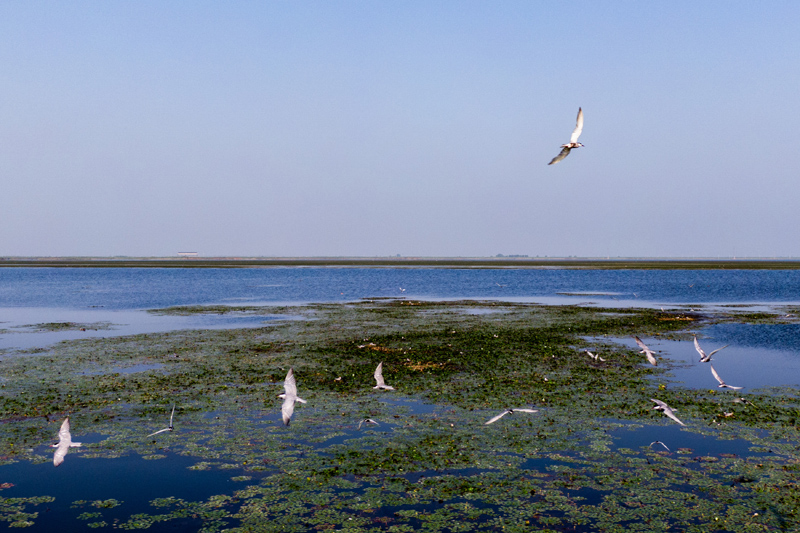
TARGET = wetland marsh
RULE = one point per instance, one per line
(582, 463)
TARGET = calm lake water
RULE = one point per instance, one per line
(120, 296)
(146, 288)
(116, 301)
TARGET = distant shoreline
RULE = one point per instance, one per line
(406, 262)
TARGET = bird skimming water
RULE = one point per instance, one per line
(509, 412)
(289, 397)
(647, 351)
(64, 443)
(379, 378)
(703, 357)
(367, 421)
(664, 408)
(573, 140)
(168, 428)
(722, 384)
(659, 442)
(595, 356)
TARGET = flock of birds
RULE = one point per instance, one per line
(704, 358)
(290, 397)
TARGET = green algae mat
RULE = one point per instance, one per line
(585, 461)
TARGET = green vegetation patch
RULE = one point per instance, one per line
(431, 463)
(67, 326)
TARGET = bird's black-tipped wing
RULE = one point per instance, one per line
(564, 153)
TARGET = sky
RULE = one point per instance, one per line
(363, 128)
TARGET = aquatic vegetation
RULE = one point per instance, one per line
(582, 462)
(188, 310)
(12, 510)
(67, 326)
(105, 504)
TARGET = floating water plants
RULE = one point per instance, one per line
(582, 462)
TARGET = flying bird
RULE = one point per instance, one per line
(289, 397)
(647, 351)
(168, 428)
(64, 443)
(664, 408)
(596, 357)
(703, 357)
(722, 384)
(379, 378)
(509, 412)
(573, 140)
(367, 421)
(661, 443)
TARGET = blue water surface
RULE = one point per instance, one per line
(119, 296)
(145, 288)
(759, 355)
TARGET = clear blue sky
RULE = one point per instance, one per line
(411, 127)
